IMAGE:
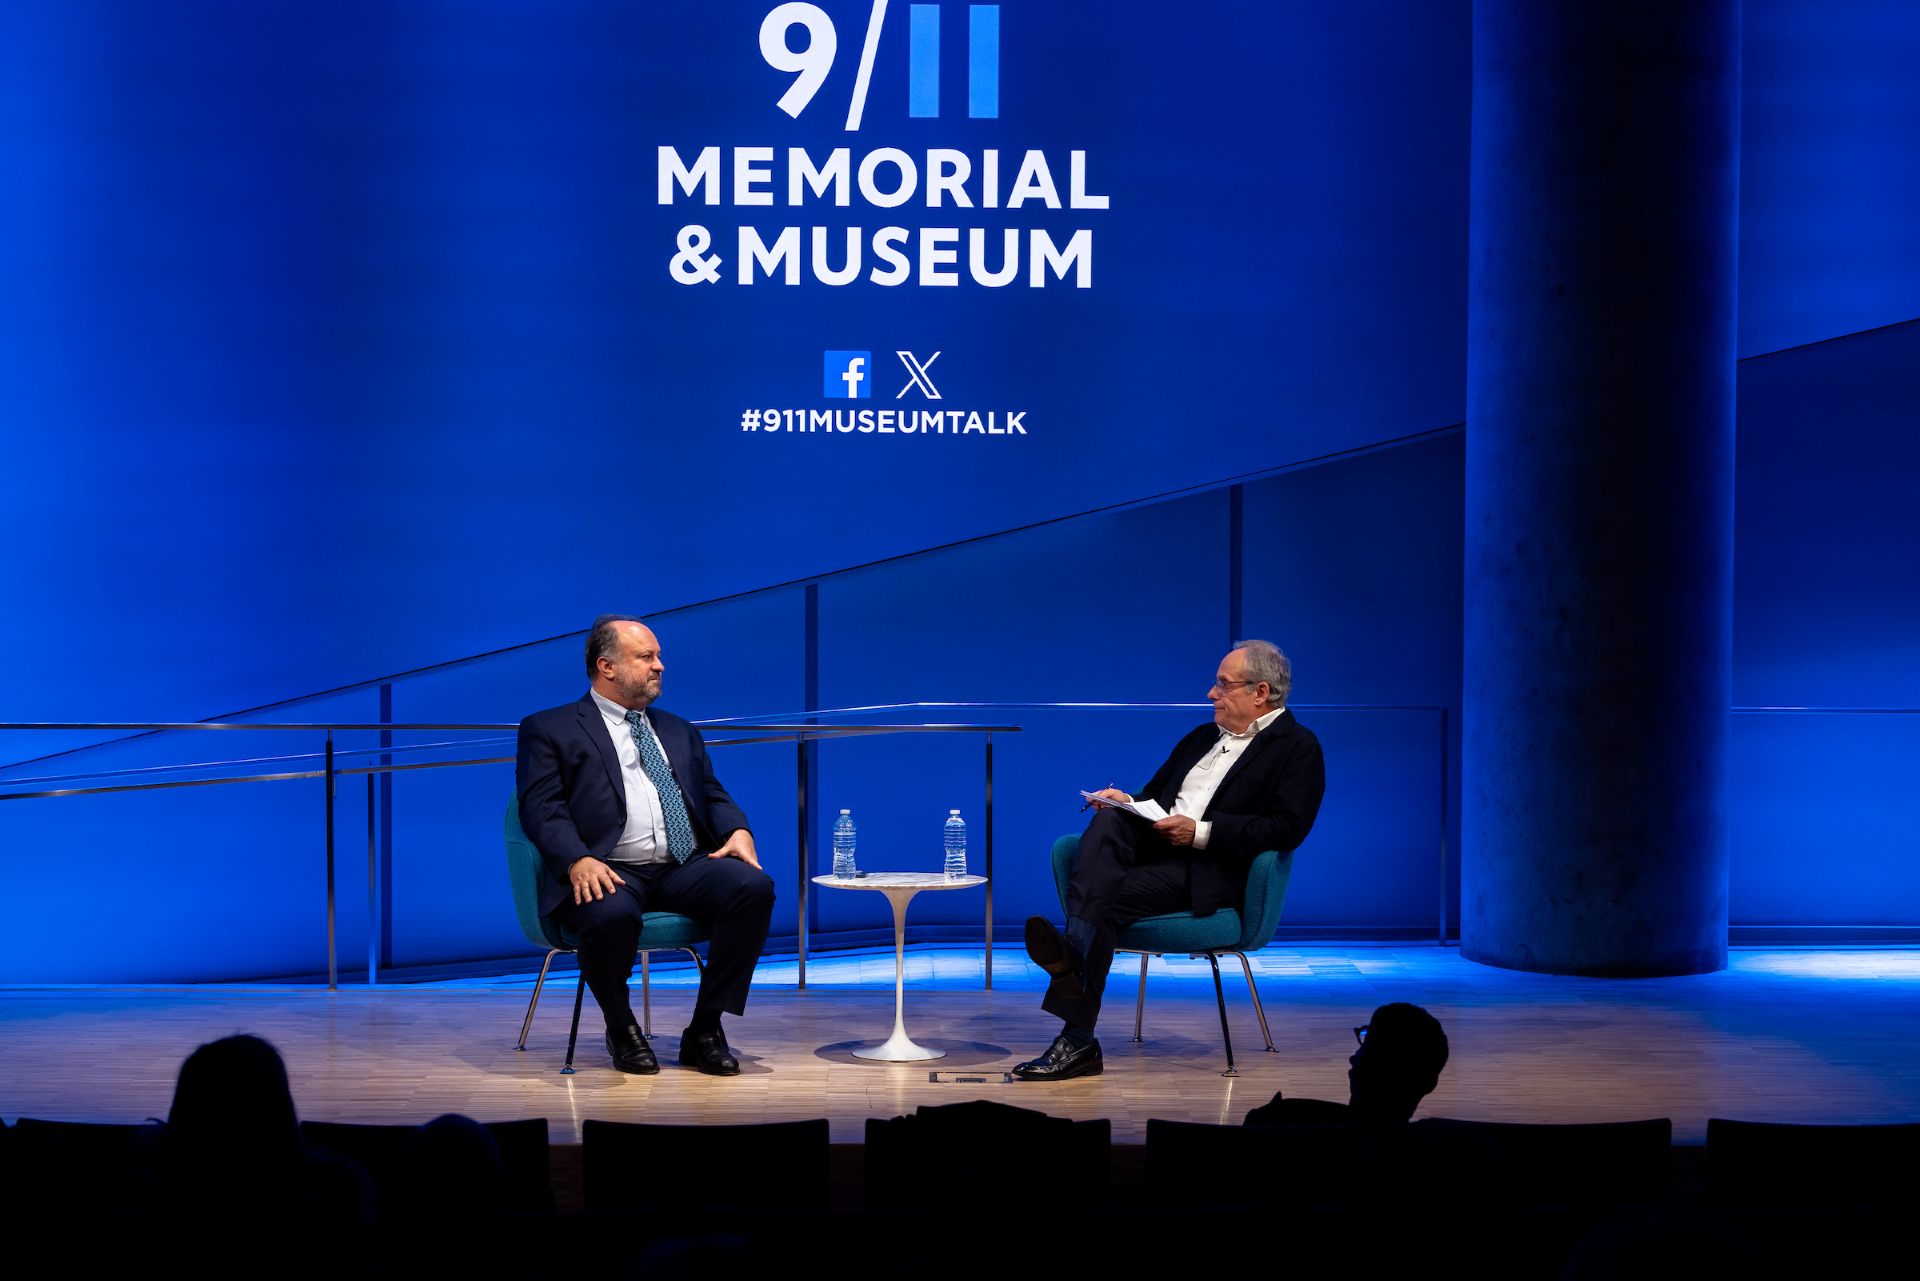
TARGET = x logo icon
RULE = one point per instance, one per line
(917, 375)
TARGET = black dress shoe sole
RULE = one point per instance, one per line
(1048, 949)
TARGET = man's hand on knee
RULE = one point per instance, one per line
(592, 880)
(740, 846)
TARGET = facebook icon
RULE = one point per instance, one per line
(849, 375)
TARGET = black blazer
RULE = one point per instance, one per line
(1267, 801)
(573, 802)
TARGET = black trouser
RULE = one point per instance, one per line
(1125, 871)
(734, 897)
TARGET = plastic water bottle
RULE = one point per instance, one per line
(843, 844)
(956, 841)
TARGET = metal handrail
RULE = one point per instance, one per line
(1825, 711)
(787, 727)
(801, 733)
(769, 734)
(771, 724)
(285, 759)
(145, 727)
(1037, 705)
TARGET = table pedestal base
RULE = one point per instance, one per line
(897, 1049)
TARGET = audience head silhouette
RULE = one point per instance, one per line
(449, 1168)
(232, 1103)
(1402, 1051)
(232, 1146)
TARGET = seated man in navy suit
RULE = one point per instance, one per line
(1251, 781)
(621, 800)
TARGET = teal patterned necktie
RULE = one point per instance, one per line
(672, 803)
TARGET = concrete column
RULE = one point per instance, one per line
(1599, 487)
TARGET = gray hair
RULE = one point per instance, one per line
(1266, 663)
(603, 639)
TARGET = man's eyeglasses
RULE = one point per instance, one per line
(1360, 1033)
(1227, 687)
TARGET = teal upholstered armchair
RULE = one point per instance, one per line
(659, 931)
(1225, 933)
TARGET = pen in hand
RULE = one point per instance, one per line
(1090, 800)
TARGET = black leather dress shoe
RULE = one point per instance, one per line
(630, 1051)
(708, 1052)
(1051, 952)
(1062, 1062)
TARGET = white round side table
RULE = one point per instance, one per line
(899, 887)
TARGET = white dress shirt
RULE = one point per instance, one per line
(1203, 780)
(644, 839)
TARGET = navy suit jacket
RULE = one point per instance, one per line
(573, 802)
(1267, 801)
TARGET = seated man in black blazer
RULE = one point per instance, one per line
(621, 800)
(1250, 781)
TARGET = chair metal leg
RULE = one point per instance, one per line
(532, 1004)
(573, 1037)
(1256, 1001)
(1220, 995)
(646, 986)
(698, 968)
(1140, 1000)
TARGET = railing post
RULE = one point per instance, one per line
(373, 891)
(989, 864)
(800, 845)
(380, 926)
(1444, 746)
(333, 969)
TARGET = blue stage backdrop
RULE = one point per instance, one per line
(429, 328)
(344, 314)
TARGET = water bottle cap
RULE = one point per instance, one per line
(953, 811)
(846, 811)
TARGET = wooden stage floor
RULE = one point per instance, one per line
(1813, 1035)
